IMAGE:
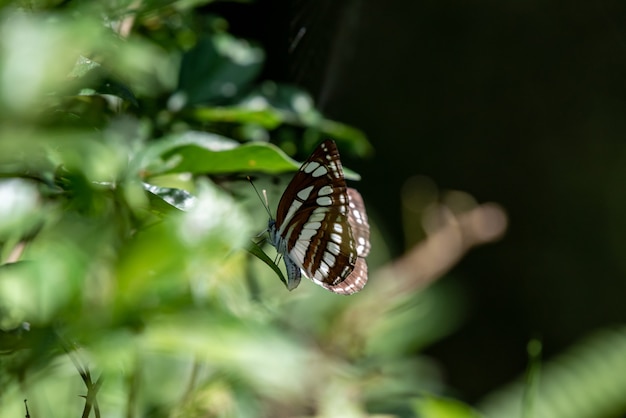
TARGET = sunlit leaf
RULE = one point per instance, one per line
(199, 152)
(268, 118)
(205, 153)
(20, 207)
(431, 407)
(167, 199)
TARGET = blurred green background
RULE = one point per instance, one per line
(128, 284)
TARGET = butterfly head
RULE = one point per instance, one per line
(271, 229)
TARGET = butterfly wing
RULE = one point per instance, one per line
(357, 218)
(313, 227)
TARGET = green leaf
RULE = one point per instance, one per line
(169, 200)
(258, 252)
(205, 153)
(349, 137)
(293, 106)
(83, 67)
(432, 407)
(282, 97)
(267, 118)
(115, 88)
(218, 68)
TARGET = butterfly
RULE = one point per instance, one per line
(321, 226)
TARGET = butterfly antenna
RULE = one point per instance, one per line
(264, 199)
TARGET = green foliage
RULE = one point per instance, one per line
(127, 285)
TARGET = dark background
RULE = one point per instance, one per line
(521, 103)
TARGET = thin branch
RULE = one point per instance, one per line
(91, 401)
(443, 248)
(423, 264)
(192, 382)
(16, 252)
(92, 388)
(132, 390)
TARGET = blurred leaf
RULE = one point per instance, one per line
(115, 88)
(267, 118)
(83, 67)
(186, 250)
(145, 66)
(292, 105)
(188, 4)
(57, 268)
(431, 407)
(20, 208)
(218, 67)
(90, 77)
(349, 137)
(243, 346)
(588, 380)
(38, 53)
(42, 152)
(12, 338)
(293, 102)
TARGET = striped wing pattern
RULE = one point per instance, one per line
(321, 226)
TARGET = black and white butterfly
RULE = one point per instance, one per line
(321, 226)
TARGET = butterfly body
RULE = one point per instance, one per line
(321, 226)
